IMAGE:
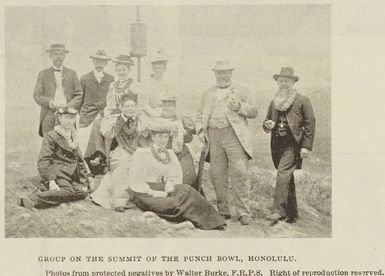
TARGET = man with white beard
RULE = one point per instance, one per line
(291, 122)
(222, 124)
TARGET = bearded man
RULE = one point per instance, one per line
(222, 125)
(291, 122)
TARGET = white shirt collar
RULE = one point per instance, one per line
(125, 118)
(98, 74)
(60, 68)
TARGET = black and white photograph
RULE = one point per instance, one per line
(168, 121)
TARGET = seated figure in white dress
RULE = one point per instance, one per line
(130, 134)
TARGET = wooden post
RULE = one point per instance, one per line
(139, 66)
(138, 42)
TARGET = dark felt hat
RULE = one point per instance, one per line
(100, 54)
(57, 47)
(125, 59)
(286, 72)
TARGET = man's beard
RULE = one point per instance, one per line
(223, 82)
(284, 98)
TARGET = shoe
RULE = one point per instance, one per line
(120, 209)
(245, 220)
(26, 202)
(275, 217)
(130, 205)
(221, 227)
(226, 217)
(291, 220)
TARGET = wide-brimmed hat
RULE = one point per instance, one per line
(168, 98)
(100, 54)
(66, 110)
(159, 57)
(223, 65)
(57, 47)
(125, 59)
(286, 72)
(159, 125)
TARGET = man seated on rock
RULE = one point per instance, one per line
(182, 133)
(61, 165)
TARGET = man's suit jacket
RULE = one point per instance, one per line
(237, 119)
(58, 160)
(94, 97)
(301, 120)
(46, 87)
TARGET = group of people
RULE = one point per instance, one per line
(132, 136)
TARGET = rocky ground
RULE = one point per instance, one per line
(84, 219)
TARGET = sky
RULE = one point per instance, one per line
(258, 40)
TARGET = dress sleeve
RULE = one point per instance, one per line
(110, 101)
(174, 172)
(45, 162)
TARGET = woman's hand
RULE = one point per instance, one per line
(169, 187)
(53, 186)
(158, 194)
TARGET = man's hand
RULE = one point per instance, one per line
(305, 153)
(169, 187)
(57, 104)
(234, 106)
(201, 137)
(158, 194)
(53, 186)
(269, 124)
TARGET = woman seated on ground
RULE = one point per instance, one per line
(60, 165)
(129, 135)
(155, 184)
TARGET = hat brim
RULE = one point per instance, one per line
(123, 61)
(101, 57)
(168, 100)
(223, 69)
(63, 50)
(159, 60)
(276, 76)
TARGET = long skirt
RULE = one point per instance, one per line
(184, 203)
(112, 191)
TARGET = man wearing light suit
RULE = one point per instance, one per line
(222, 123)
(56, 86)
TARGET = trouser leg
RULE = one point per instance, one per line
(238, 172)
(187, 163)
(284, 189)
(292, 209)
(218, 171)
(66, 193)
(96, 140)
(48, 123)
(84, 137)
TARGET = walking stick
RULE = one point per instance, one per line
(201, 164)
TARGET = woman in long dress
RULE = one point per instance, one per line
(102, 132)
(155, 183)
(130, 134)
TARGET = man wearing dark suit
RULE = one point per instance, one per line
(56, 86)
(291, 122)
(95, 86)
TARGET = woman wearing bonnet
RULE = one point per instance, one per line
(103, 132)
(61, 165)
(155, 184)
